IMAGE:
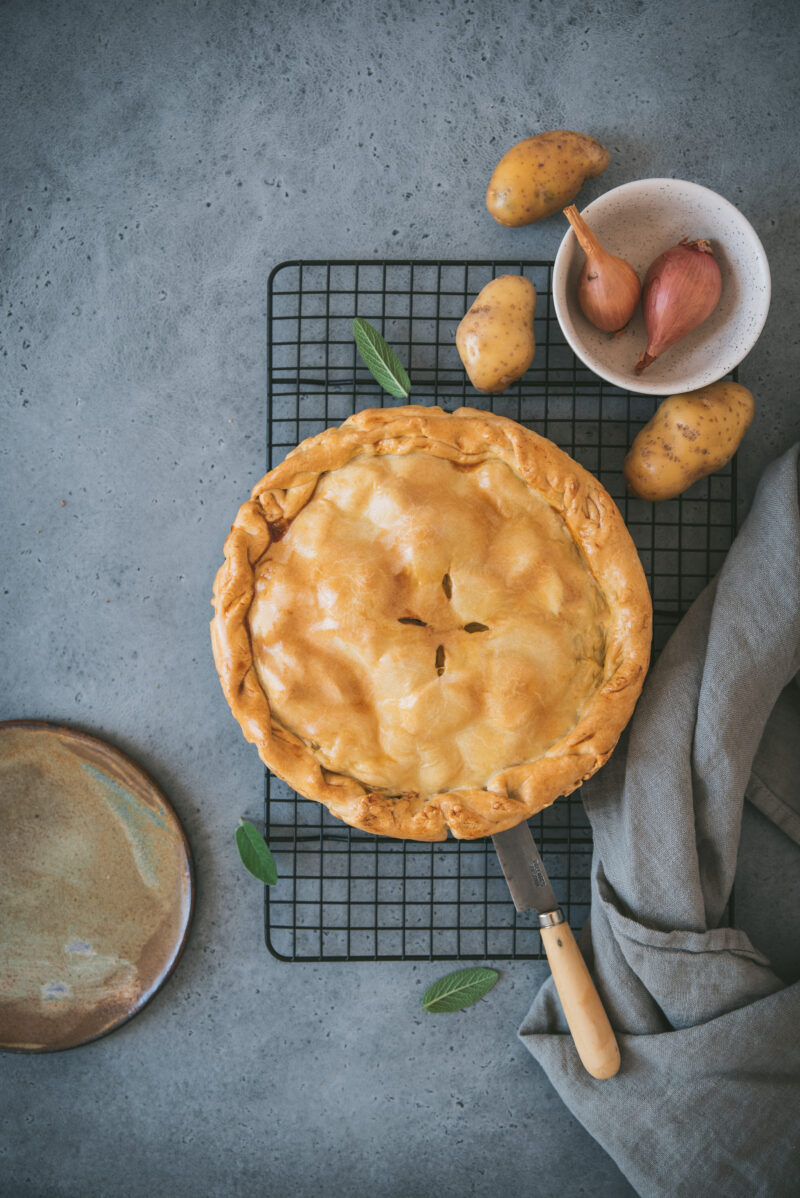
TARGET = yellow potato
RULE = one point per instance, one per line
(495, 339)
(689, 437)
(542, 174)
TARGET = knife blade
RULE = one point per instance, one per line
(524, 870)
(530, 887)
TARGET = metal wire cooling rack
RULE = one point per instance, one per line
(343, 894)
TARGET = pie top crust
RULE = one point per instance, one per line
(428, 620)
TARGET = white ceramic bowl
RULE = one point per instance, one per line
(637, 222)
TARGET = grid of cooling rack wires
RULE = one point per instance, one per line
(343, 894)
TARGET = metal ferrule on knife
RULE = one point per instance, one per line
(550, 919)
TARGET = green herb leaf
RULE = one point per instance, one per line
(381, 360)
(458, 990)
(255, 854)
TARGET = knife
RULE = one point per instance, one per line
(530, 888)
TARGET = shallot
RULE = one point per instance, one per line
(681, 290)
(609, 287)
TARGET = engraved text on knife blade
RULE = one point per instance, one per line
(537, 875)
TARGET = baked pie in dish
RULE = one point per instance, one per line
(430, 621)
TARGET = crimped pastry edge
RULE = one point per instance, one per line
(467, 435)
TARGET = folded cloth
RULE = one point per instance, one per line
(707, 1101)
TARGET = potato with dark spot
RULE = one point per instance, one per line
(495, 339)
(689, 436)
(541, 175)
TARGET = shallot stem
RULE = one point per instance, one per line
(586, 238)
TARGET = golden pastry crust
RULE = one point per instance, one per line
(431, 621)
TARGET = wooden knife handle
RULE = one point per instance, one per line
(593, 1035)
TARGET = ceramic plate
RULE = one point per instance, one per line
(638, 221)
(96, 887)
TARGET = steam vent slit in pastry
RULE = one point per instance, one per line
(431, 621)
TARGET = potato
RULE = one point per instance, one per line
(495, 339)
(542, 174)
(689, 436)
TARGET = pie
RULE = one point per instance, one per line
(428, 621)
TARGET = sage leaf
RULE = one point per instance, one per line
(458, 990)
(255, 854)
(381, 360)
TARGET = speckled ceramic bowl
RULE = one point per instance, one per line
(638, 221)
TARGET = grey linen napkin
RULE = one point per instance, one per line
(707, 1101)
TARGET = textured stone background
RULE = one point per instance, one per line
(158, 158)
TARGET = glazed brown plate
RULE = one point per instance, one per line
(96, 887)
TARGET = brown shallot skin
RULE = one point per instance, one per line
(681, 290)
(609, 287)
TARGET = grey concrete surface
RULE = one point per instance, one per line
(158, 158)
